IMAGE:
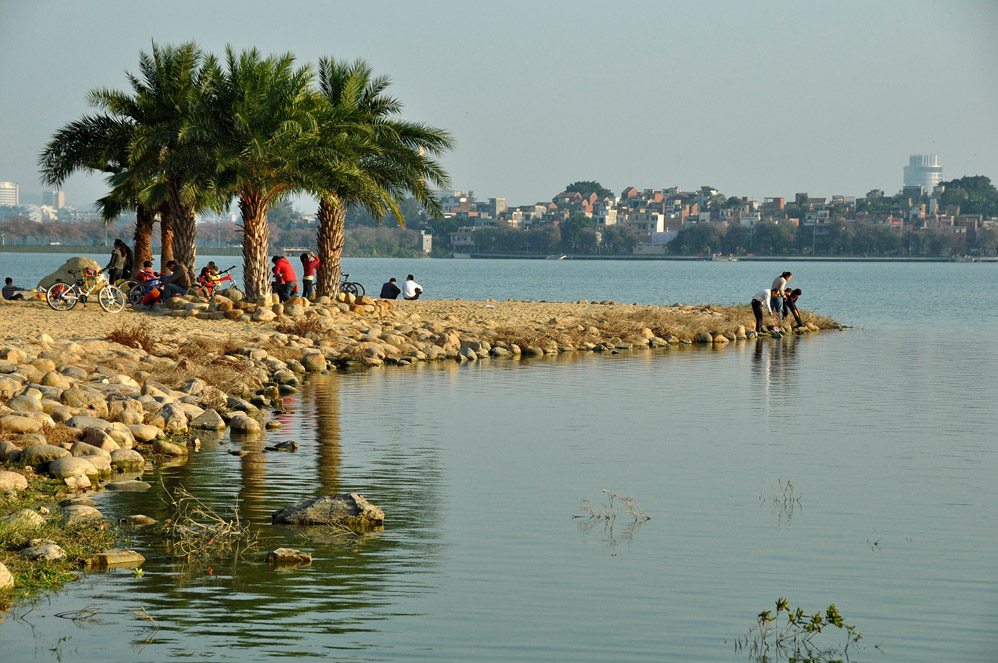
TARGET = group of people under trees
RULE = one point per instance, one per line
(777, 300)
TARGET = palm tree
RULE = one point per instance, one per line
(262, 121)
(166, 97)
(370, 158)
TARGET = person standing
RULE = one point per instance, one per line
(759, 301)
(286, 281)
(309, 263)
(411, 289)
(779, 288)
(390, 290)
(117, 263)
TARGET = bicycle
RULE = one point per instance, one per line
(351, 287)
(63, 296)
(137, 293)
(207, 286)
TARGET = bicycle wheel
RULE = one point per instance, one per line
(62, 296)
(351, 288)
(111, 299)
(136, 294)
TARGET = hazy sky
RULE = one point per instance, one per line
(760, 98)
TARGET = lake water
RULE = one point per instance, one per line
(886, 431)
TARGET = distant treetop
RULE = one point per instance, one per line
(587, 187)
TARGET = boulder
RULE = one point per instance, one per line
(77, 513)
(65, 275)
(14, 423)
(243, 423)
(9, 451)
(144, 432)
(349, 509)
(6, 579)
(87, 399)
(127, 459)
(176, 420)
(39, 454)
(84, 422)
(54, 379)
(129, 486)
(25, 403)
(314, 362)
(25, 519)
(12, 482)
(161, 446)
(72, 466)
(45, 551)
(210, 420)
(263, 315)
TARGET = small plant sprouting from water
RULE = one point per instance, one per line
(198, 531)
(785, 499)
(607, 511)
(794, 634)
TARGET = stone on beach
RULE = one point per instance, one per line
(12, 482)
(78, 513)
(168, 448)
(14, 423)
(72, 466)
(6, 579)
(45, 551)
(117, 558)
(39, 454)
(209, 419)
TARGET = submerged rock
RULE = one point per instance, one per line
(117, 558)
(288, 557)
(350, 510)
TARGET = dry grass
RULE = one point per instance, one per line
(302, 326)
(134, 336)
(198, 531)
(217, 361)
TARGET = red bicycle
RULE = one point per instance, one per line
(207, 286)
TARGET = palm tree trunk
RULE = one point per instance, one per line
(144, 220)
(331, 215)
(166, 237)
(256, 242)
(184, 231)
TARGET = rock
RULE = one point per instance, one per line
(703, 337)
(161, 446)
(63, 273)
(39, 454)
(84, 422)
(210, 420)
(294, 310)
(144, 432)
(46, 551)
(288, 557)
(468, 354)
(13, 423)
(117, 558)
(174, 417)
(314, 362)
(25, 404)
(12, 482)
(287, 445)
(87, 399)
(720, 339)
(25, 520)
(54, 379)
(9, 452)
(81, 482)
(139, 519)
(72, 466)
(263, 315)
(96, 437)
(242, 423)
(128, 485)
(349, 509)
(127, 459)
(77, 513)
(6, 579)
(83, 449)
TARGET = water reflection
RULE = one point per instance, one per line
(774, 371)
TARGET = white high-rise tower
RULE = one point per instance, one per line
(923, 170)
(8, 193)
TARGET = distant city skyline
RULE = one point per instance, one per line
(756, 99)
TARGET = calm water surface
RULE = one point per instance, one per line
(887, 432)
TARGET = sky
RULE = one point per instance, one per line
(762, 98)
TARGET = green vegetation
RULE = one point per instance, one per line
(79, 542)
(795, 635)
(588, 187)
(972, 194)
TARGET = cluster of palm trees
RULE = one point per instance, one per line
(198, 133)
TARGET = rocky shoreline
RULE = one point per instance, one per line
(93, 409)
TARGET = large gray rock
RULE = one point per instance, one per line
(127, 459)
(289, 557)
(9, 451)
(39, 454)
(83, 449)
(174, 417)
(24, 520)
(77, 513)
(87, 399)
(167, 448)
(84, 422)
(65, 273)
(6, 579)
(242, 423)
(25, 403)
(46, 551)
(144, 432)
(117, 558)
(72, 466)
(350, 510)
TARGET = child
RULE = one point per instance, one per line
(146, 273)
(10, 291)
(309, 263)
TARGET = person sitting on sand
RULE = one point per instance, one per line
(759, 300)
(11, 291)
(411, 289)
(179, 280)
(390, 290)
(790, 304)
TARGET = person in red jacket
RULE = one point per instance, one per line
(286, 281)
(309, 263)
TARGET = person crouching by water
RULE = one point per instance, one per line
(11, 291)
(760, 300)
(790, 304)
(411, 289)
(286, 281)
(309, 263)
(390, 290)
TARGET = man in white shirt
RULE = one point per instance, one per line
(411, 289)
(760, 300)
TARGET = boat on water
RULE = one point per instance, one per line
(556, 257)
